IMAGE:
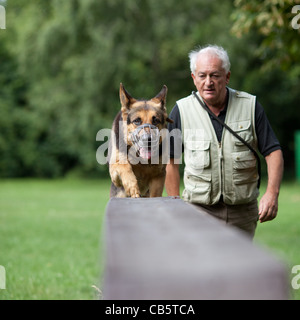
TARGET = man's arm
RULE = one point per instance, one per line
(172, 182)
(268, 205)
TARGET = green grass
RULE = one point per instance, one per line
(282, 235)
(50, 236)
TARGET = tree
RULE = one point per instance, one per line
(275, 23)
(273, 20)
(69, 57)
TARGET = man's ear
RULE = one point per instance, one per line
(228, 77)
(194, 79)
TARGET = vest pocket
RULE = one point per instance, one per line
(243, 129)
(244, 167)
(245, 176)
(197, 155)
(197, 188)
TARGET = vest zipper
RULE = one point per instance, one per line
(221, 168)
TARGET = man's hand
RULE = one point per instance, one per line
(268, 207)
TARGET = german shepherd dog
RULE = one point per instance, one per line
(136, 163)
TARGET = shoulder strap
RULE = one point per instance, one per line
(235, 134)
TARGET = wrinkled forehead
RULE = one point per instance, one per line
(208, 63)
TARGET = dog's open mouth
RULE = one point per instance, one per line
(145, 139)
(145, 153)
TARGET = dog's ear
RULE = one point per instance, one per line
(161, 97)
(126, 99)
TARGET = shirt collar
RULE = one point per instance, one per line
(223, 112)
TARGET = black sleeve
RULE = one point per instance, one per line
(175, 135)
(267, 140)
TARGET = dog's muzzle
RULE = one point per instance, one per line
(145, 140)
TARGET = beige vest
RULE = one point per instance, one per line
(227, 168)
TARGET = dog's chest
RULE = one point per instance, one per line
(145, 173)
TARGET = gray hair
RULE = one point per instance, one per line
(214, 50)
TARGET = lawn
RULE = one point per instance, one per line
(50, 236)
(282, 235)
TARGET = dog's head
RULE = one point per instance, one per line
(145, 119)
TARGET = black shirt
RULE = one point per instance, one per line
(266, 138)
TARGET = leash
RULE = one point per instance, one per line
(235, 134)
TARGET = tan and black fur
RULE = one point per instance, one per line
(141, 179)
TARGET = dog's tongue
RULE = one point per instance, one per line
(145, 153)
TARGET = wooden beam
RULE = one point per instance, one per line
(163, 248)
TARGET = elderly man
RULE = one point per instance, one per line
(220, 174)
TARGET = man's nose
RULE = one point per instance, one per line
(208, 80)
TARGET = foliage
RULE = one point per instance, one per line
(62, 63)
(70, 57)
(276, 80)
(273, 20)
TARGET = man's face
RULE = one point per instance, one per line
(211, 79)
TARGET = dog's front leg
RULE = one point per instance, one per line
(122, 175)
(156, 186)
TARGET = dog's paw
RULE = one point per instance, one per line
(135, 195)
(134, 192)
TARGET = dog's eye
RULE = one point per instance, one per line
(137, 121)
(155, 121)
